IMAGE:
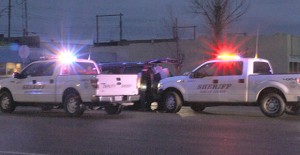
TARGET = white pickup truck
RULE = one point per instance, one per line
(237, 81)
(73, 86)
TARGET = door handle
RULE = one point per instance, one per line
(241, 80)
(34, 81)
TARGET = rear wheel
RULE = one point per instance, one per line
(272, 105)
(7, 104)
(72, 105)
(172, 102)
(197, 107)
(113, 109)
(292, 109)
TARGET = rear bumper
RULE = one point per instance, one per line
(125, 100)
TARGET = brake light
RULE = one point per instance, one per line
(298, 80)
(139, 80)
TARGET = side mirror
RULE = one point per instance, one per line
(192, 75)
(187, 73)
(18, 75)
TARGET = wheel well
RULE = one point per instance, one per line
(271, 90)
(69, 91)
(5, 90)
(176, 90)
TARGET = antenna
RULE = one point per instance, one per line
(256, 46)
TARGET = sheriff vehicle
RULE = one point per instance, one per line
(68, 83)
(231, 80)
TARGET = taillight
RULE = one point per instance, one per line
(94, 82)
(298, 80)
(139, 80)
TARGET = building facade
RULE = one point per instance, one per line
(282, 50)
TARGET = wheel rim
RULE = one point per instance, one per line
(72, 105)
(273, 104)
(170, 102)
(5, 102)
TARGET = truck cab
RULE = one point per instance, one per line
(223, 80)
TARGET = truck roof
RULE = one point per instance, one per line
(54, 60)
(238, 59)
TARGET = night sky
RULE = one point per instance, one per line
(142, 19)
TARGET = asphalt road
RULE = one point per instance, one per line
(220, 130)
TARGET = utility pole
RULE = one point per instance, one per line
(25, 28)
(121, 27)
(179, 55)
(9, 18)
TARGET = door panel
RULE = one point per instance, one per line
(37, 84)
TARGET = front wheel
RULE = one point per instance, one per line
(7, 104)
(292, 109)
(272, 105)
(172, 102)
(72, 105)
(113, 109)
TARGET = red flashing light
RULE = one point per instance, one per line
(228, 56)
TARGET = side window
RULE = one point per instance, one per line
(230, 68)
(261, 68)
(48, 69)
(39, 69)
(206, 70)
(31, 70)
(79, 68)
(220, 69)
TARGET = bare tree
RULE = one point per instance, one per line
(219, 13)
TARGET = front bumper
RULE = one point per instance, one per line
(125, 100)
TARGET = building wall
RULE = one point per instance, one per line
(283, 50)
(276, 48)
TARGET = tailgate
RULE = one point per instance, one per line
(118, 84)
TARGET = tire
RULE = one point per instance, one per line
(113, 109)
(7, 104)
(172, 102)
(292, 109)
(272, 105)
(72, 105)
(197, 107)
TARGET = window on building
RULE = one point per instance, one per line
(8, 68)
(294, 67)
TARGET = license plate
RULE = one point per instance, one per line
(118, 98)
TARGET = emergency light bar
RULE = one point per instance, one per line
(66, 57)
(228, 57)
